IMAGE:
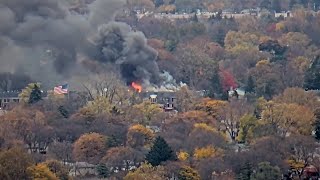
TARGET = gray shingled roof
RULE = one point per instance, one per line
(15, 94)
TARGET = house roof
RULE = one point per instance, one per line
(159, 94)
(15, 94)
(9, 94)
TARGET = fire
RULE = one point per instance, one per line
(136, 86)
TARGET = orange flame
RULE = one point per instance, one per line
(136, 86)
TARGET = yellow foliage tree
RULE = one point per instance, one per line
(58, 169)
(147, 172)
(90, 147)
(195, 115)
(100, 105)
(289, 118)
(182, 155)
(187, 173)
(297, 165)
(280, 26)
(147, 110)
(205, 127)
(167, 8)
(298, 96)
(41, 172)
(247, 125)
(138, 136)
(212, 107)
(234, 39)
(206, 152)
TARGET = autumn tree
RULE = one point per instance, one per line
(41, 171)
(312, 77)
(122, 158)
(61, 151)
(58, 169)
(106, 86)
(289, 118)
(183, 156)
(266, 79)
(160, 152)
(30, 126)
(227, 80)
(230, 116)
(298, 96)
(203, 135)
(14, 163)
(207, 152)
(187, 173)
(301, 150)
(295, 71)
(247, 126)
(90, 147)
(139, 136)
(213, 107)
(147, 172)
(186, 99)
(143, 4)
(147, 111)
(195, 73)
(296, 42)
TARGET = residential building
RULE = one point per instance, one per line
(166, 100)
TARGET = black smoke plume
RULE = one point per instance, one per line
(43, 39)
(118, 44)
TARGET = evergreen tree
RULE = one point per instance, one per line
(245, 172)
(215, 83)
(63, 111)
(195, 18)
(266, 172)
(160, 152)
(225, 96)
(317, 124)
(250, 85)
(312, 76)
(35, 95)
(158, 3)
(103, 171)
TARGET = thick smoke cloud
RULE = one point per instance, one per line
(44, 39)
(118, 44)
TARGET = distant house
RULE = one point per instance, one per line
(8, 97)
(282, 14)
(11, 97)
(166, 100)
(238, 93)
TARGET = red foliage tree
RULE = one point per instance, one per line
(227, 80)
